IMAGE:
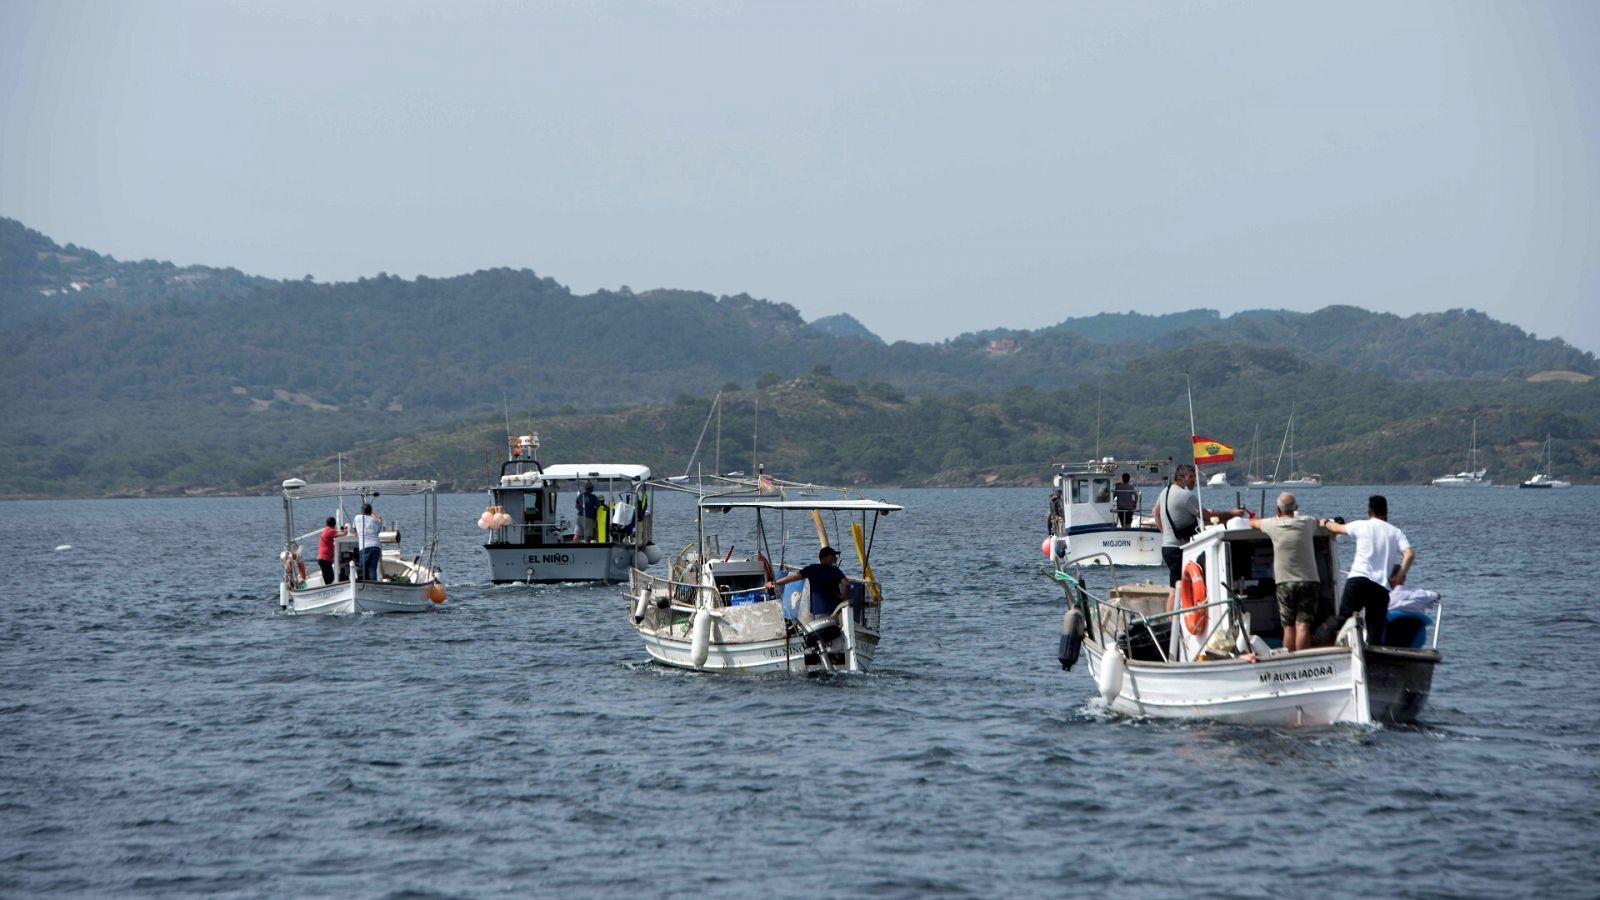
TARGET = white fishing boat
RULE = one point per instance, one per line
(1219, 656)
(713, 612)
(403, 585)
(1473, 476)
(533, 525)
(1084, 520)
(1544, 480)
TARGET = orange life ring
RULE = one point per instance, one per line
(1192, 592)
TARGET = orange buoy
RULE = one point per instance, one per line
(436, 593)
(1192, 592)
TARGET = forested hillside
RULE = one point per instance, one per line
(218, 382)
(1361, 428)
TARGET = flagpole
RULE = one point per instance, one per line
(1188, 388)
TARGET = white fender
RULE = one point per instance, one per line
(1111, 670)
(700, 642)
(639, 606)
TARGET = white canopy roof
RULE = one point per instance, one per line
(840, 505)
(577, 473)
(296, 489)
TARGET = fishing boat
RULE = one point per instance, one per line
(1544, 480)
(533, 525)
(403, 585)
(1219, 655)
(1472, 476)
(1084, 521)
(713, 612)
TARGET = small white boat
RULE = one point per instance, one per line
(403, 585)
(1220, 479)
(1215, 658)
(1473, 476)
(713, 613)
(1084, 520)
(1544, 480)
(532, 520)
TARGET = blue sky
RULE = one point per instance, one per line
(930, 168)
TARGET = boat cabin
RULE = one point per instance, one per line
(1086, 491)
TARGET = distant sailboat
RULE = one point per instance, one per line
(1251, 477)
(1473, 476)
(1296, 479)
(1544, 479)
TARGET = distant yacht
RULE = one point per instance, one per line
(1473, 476)
(1543, 479)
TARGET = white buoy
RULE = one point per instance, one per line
(639, 607)
(1110, 680)
(700, 643)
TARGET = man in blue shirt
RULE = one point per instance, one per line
(588, 507)
(828, 583)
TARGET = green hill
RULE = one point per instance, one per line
(167, 383)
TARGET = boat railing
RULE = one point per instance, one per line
(1127, 618)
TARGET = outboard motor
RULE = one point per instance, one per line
(820, 632)
(1072, 629)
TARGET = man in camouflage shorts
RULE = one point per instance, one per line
(1294, 569)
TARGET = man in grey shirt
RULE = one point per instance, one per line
(1178, 514)
(1294, 569)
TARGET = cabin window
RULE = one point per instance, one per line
(1091, 490)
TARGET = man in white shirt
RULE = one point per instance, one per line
(1383, 557)
(366, 527)
(1178, 514)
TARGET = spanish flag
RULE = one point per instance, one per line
(1208, 451)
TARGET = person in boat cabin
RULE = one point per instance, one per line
(1383, 557)
(1178, 514)
(1294, 569)
(588, 508)
(326, 553)
(829, 584)
(367, 526)
(1125, 499)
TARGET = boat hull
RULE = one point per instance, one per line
(1399, 681)
(759, 657)
(1314, 687)
(1124, 546)
(351, 597)
(552, 563)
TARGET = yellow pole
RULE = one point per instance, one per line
(822, 533)
(866, 570)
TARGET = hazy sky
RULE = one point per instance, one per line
(930, 168)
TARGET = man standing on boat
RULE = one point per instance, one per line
(1294, 569)
(1126, 500)
(367, 526)
(588, 508)
(829, 584)
(1178, 514)
(1383, 557)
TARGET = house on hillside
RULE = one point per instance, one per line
(1000, 346)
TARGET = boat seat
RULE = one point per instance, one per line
(1406, 628)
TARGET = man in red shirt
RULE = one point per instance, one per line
(325, 552)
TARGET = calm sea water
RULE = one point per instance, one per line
(167, 732)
